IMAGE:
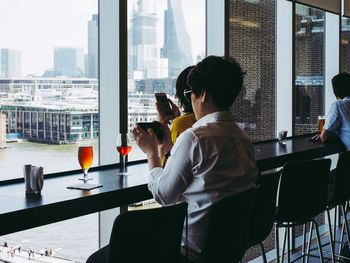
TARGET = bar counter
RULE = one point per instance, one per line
(56, 202)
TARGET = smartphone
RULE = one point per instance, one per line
(164, 104)
(155, 126)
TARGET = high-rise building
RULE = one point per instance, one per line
(145, 58)
(92, 59)
(86, 65)
(69, 62)
(177, 44)
(10, 63)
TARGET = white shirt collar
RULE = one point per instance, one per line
(214, 117)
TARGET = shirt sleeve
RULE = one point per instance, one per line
(167, 185)
(333, 119)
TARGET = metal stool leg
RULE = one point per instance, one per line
(304, 242)
(284, 245)
(309, 243)
(277, 244)
(319, 242)
(346, 224)
(263, 252)
(336, 221)
(288, 244)
(331, 240)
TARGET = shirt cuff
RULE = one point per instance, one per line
(155, 173)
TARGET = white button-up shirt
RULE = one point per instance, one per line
(210, 161)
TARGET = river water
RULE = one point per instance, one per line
(54, 158)
(74, 239)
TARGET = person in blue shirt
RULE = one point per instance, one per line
(337, 124)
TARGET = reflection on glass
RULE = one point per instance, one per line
(254, 22)
(345, 45)
(309, 68)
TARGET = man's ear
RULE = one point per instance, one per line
(204, 96)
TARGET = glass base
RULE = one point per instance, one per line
(85, 179)
(84, 186)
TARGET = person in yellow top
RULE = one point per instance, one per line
(181, 122)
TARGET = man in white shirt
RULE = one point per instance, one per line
(210, 161)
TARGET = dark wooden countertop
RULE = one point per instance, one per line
(57, 203)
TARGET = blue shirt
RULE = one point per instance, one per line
(338, 120)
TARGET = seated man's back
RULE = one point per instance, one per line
(210, 161)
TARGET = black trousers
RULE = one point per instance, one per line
(101, 256)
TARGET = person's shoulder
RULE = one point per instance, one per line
(186, 117)
(183, 122)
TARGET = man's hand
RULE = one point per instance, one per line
(316, 137)
(146, 140)
(325, 136)
(166, 144)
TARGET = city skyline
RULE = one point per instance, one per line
(49, 24)
(66, 25)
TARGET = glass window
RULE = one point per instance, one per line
(309, 68)
(164, 37)
(48, 83)
(48, 103)
(251, 41)
(345, 45)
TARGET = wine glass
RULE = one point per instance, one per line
(123, 147)
(85, 156)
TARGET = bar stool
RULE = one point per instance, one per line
(301, 196)
(340, 198)
(263, 211)
(150, 235)
(228, 228)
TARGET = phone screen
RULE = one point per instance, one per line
(163, 103)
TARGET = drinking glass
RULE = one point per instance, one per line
(123, 147)
(85, 156)
(320, 123)
(282, 137)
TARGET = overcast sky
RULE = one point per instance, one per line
(35, 27)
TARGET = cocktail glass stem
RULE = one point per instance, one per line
(85, 177)
(123, 164)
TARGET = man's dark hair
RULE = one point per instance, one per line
(221, 78)
(181, 86)
(341, 85)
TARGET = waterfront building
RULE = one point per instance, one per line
(50, 110)
(69, 62)
(92, 57)
(65, 110)
(177, 44)
(15, 85)
(10, 63)
(51, 124)
(2, 131)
